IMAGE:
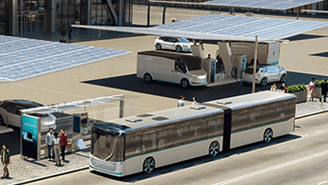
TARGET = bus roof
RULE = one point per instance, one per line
(252, 99)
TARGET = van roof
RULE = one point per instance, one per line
(191, 61)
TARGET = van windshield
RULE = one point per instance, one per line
(193, 63)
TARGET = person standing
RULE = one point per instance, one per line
(311, 88)
(194, 101)
(49, 138)
(63, 142)
(56, 147)
(324, 89)
(99, 34)
(5, 160)
(70, 34)
(181, 101)
(284, 88)
(273, 87)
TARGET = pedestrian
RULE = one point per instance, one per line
(49, 138)
(56, 147)
(284, 88)
(5, 159)
(63, 142)
(209, 56)
(324, 87)
(311, 88)
(194, 101)
(181, 101)
(273, 87)
(70, 34)
(99, 34)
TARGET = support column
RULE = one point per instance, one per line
(298, 12)
(50, 15)
(148, 14)
(121, 13)
(163, 21)
(11, 17)
(314, 7)
(86, 11)
(121, 108)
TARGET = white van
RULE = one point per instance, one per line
(171, 67)
(267, 53)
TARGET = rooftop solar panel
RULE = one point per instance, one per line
(224, 27)
(263, 4)
(22, 58)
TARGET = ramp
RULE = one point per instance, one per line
(4, 130)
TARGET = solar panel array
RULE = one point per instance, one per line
(263, 4)
(234, 27)
(22, 58)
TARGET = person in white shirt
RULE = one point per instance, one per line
(181, 101)
(56, 147)
(194, 101)
(49, 137)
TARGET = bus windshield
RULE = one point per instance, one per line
(107, 145)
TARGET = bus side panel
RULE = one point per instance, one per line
(256, 134)
(170, 156)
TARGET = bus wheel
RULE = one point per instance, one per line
(149, 165)
(147, 78)
(268, 135)
(214, 149)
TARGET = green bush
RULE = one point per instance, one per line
(213, 12)
(318, 83)
(296, 88)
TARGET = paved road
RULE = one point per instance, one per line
(298, 158)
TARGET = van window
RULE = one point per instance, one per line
(273, 69)
(180, 66)
(264, 69)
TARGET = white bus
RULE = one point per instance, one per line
(142, 143)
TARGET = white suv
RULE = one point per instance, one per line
(178, 44)
(264, 74)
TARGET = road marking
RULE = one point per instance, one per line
(322, 182)
(319, 131)
(272, 168)
(305, 135)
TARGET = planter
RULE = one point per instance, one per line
(300, 96)
(63, 40)
(317, 92)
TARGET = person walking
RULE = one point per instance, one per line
(324, 88)
(49, 138)
(311, 88)
(70, 34)
(5, 160)
(194, 101)
(99, 34)
(56, 147)
(63, 142)
(181, 101)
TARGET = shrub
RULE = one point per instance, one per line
(213, 12)
(318, 83)
(63, 30)
(296, 88)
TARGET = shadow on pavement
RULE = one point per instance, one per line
(304, 37)
(201, 160)
(203, 94)
(34, 161)
(323, 54)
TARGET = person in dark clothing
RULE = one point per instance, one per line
(63, 142)
(5, 159)
(70, 34)
(324, 89)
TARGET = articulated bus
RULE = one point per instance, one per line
(144, 142)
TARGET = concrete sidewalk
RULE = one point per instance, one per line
(310, 108)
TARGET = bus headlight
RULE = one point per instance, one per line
(201, 77)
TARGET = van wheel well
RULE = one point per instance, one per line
(147, 77)
(184, 83)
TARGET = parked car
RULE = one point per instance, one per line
(179, 44)
(10, 111)
(264, 74)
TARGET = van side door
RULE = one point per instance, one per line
(180, 70)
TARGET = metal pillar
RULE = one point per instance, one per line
(86, 10)
(255, 63)
(11, 17)
(50, 15)
(121, 108)
(298, 12)
(121, 13)
(148, 14)
(164, 9)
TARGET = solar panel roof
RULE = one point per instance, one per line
(263, 4)
(22, 58)
(225, 27)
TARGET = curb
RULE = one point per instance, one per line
(51, 175)
(311, 114)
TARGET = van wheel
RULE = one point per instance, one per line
(178, 49)
(214, 149)
(149, 165)
(158, 46)
(283, 78)
(264, 81)
(268, 135)
(147, 78)
(1, 120)
(184, 83)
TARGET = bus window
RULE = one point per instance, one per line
(149, 142)
(166, 138)
(215, 126)
(132, 145)
(198, 129)
(239, 121)
(182, 134)
(255, 116)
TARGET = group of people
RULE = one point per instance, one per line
(181, 101)
(324, 88)
(282, 87)
(56, 144)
